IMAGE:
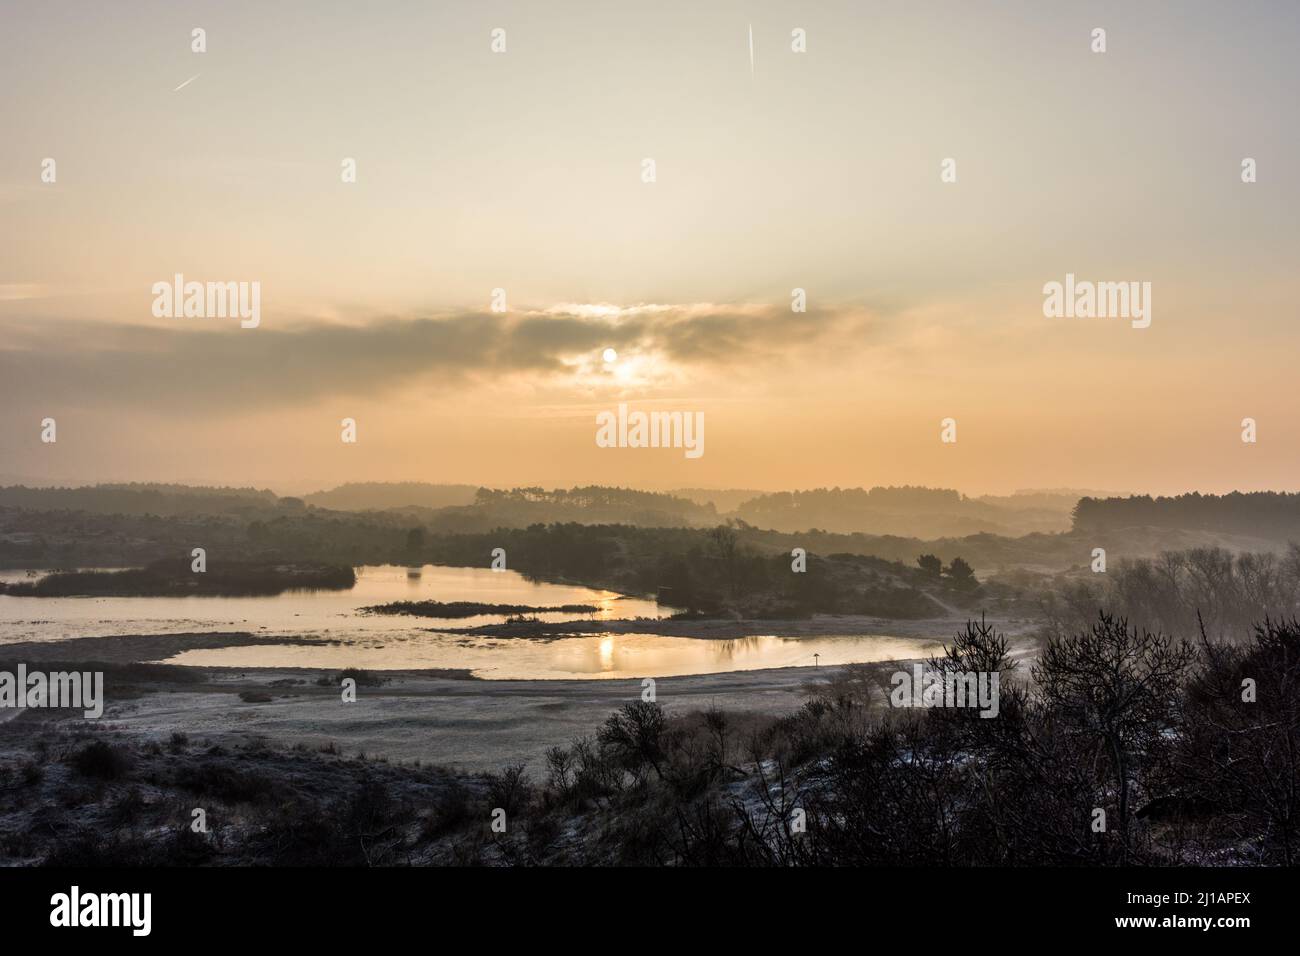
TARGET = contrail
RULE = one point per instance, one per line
(187, 82)
(751, 51)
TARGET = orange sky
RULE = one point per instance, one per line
(523, 171)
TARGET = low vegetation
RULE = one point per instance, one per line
(1122, 747)
(1180, 592)
(1118, 746)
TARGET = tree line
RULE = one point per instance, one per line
(1268, 514)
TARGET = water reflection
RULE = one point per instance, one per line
(306, 612)
(390, 642)
(586, 657)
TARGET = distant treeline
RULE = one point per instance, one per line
(73, 538)
(915, 512)
(711, 571)
(175, 577)
(142, 499)
(906, 497)
(726, 500)
(382, 495)
(906, 510)
(594, 504)
(1266, 514)
(702, 569)
(440, 508)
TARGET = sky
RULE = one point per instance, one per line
(774, 170)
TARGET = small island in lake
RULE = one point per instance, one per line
(452, 609)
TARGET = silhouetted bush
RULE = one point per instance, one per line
(101, 760)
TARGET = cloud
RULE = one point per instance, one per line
(196, 365)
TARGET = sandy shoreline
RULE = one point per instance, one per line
(471, 725)
(443, 718)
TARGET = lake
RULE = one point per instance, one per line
(377, 641)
